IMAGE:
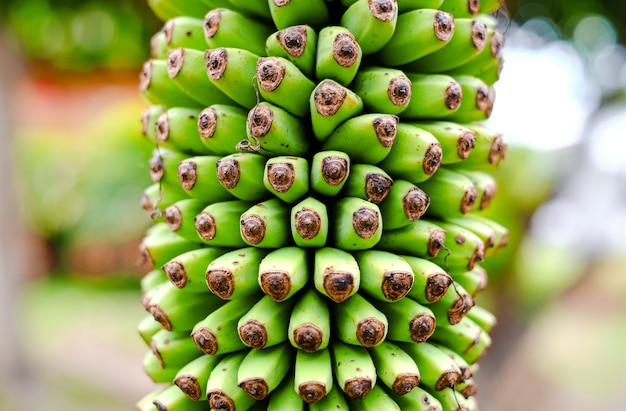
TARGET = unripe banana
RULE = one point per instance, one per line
(298, 44)
(179, 217)
(258, 8)
(215, 4)
(272, 131)
(420, 238)
(153, 369)
(395, 368)
(405, 203)
(287, 13)
(222, 390)
(377, 399)
(261, 371)
(173, 399)
(332, 104)
(372, 22)
(166, 9)
(408, 5)
(162, 167)
(383, 90)
(338, 55)
(489, 150)
(222, 127)
(429, 28)
(483, 317)
(197, 176)
(217, 224)
(192, 378)
(368, 182)
(154, 200)
(309, 223)
(158, 46)
(264, 324)
(453, 306)
(358, 322)
(218, 333)
(415, 155)
(487, 64)
(184, 31)
(157, 87)
(409, 321)
(151, 280)
(464, 249)
(489, 6)
(376, 131)
(177, 128)
(451, 194)
(437, 370)
(461, 8)
(472, 281)
(384, 276)
(231, 70)
(435, 96)
(333, 401)
(450, 399)
(228, 28)
(187, 70)
(466, 338)
(242, 175)
(287, 177)
(309, 323)
(234, 274)
(173, 349)
(145, 403)
(313, 375)
(354, 369)
(467, 388)
(485, 184)
(282, 83)
(187, 270)
(160, 245)
(418, 400)
(501, 233)
(478, 100)
(357, 224)
(336, 273)
(430, 282)
(283, 272)
(284, 397)
(266, 224)
(485, 232)
(330, 170)
(147, 327)
(457, 141)
(148, 122)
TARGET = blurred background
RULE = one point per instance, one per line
(73, 167)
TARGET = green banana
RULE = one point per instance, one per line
(377, 399)
(261, 371)
(272, 131)
(473, 221)
(263, 325)
(489, 6)
(178, 310)
(418, 400)
(283, 272)
(435, 96)
(197, 176)
(313, 375)
(489, 151)
(485, 232)
(177, 129)
(478, 100)
(234, 274)
(215, 4)
(333, 401)
(179, 217)
(218, 333)
(384, 276)
(485, 184)
(156, 86)
(450, 399)
(453, 306)
(395, 368)
(420, 238)
(266, 224)
(173, 349)
(309, 323)
(466, 338)
(470, 38)
(173, 399)
(331, 104)
(430, 282)
(372, 22)
(153, 369)
(358, 224)
(464, 367)
(287, 177)
(184, 31)
(218, 223)
(158, 46)
(228, 28)
(338, 55)
(281, 83)
(166, 9)
(309, 223)
(257, 8)
(451, 194)
(376, 131)
(240, 174)
(383, 90)
(437, 370)
(409, 321)
(284, 397)
(154, 200)
(429, 28)
(192, 378)
(148, 122)
(483, 317)
(467, 388)
(187, 270)
(472, 281)
(488, 63)
(464, 249)
(358, 322)
(187, 70)
(336, 273)
(222, 127)
(354, 369)
(162, 167)
(457, 141)
(160, 245)
(368, 182)
(405, 203)
(408, 5)
(231, 70)
(298, 44)
(461, 8)
(147, 327)
(330, 170)
(287, 13)
(145, 403)
(152, 280)
(222, 390)
(414, 156)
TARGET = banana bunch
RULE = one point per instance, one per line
(320, 168)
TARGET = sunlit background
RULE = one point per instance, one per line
(73, 166)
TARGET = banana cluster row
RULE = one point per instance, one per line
(319, 175)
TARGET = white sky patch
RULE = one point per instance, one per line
(607, 140)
